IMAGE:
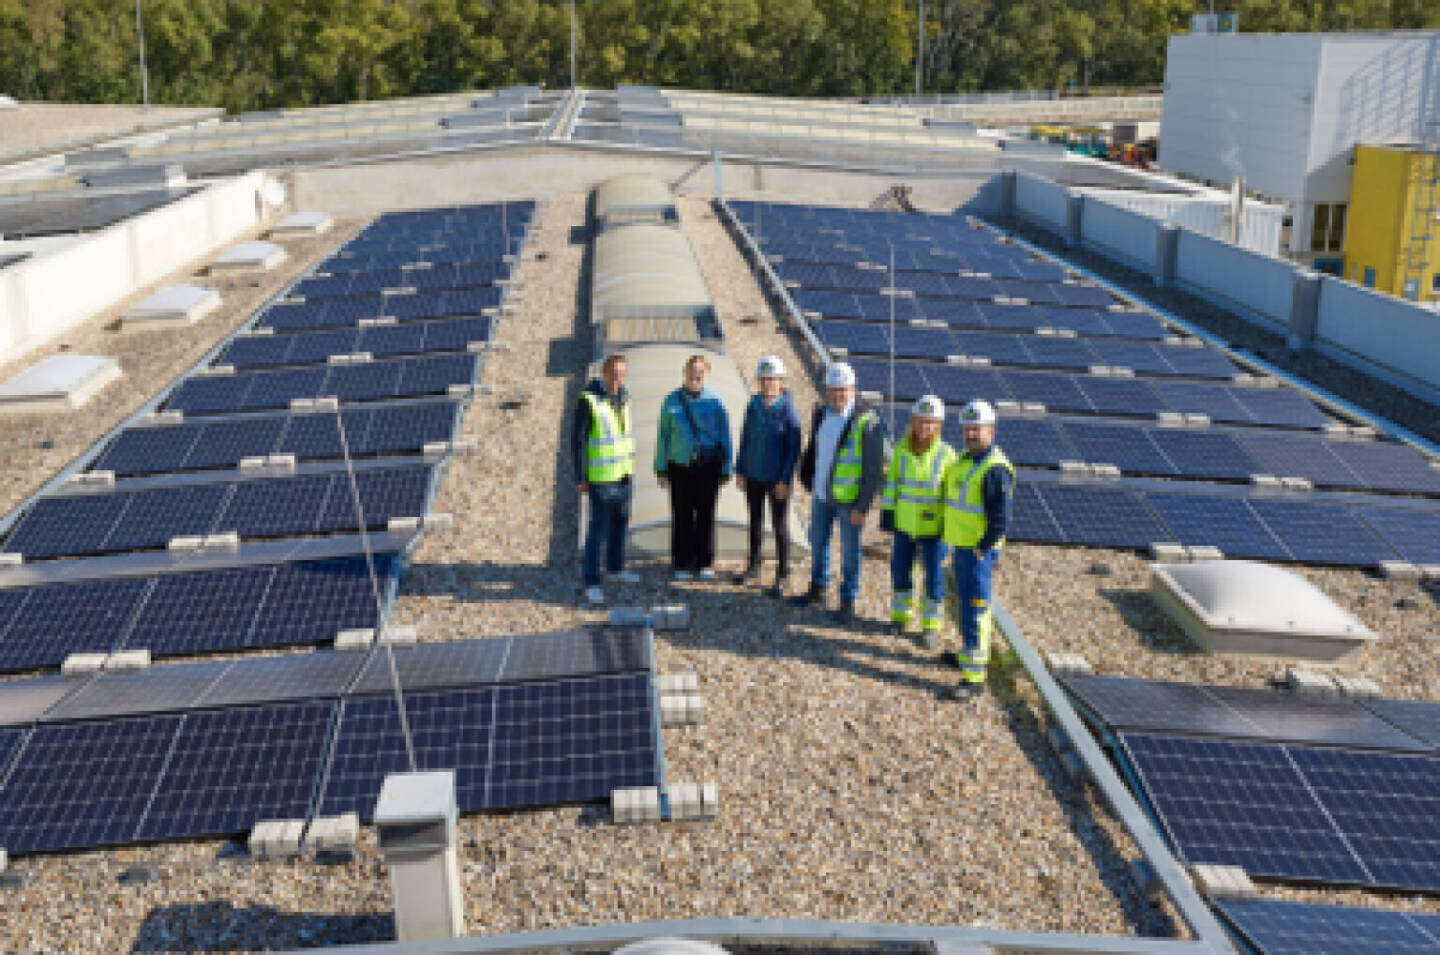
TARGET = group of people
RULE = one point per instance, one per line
(935, 500)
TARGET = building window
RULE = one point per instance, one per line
(1327, 232)
(1435, 285)
(1369, 277)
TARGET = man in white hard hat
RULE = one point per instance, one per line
(770, 441)
(977, 489)
(842, 466)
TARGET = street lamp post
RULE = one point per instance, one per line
(919, 48)
(572, 44)
(144, 73)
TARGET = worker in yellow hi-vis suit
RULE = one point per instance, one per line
(977, 490)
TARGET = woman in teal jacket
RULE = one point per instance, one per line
(692, 459)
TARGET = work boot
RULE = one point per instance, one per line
(895, 628)
(950, 658)
(777, 589)
(843, 614)
(815, 595)
(964, 691)
(750, 575)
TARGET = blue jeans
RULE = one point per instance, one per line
(972, 583)
(932, 552)
(609, 519)
(823, 515)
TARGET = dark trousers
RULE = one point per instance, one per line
(694, 490)
(609, 521)
(756, 494)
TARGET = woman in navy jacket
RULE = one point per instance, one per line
(770, 443)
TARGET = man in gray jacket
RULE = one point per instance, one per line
(843, 467)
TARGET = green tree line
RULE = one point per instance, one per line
(262, 54)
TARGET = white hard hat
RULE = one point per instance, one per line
(840, 375)
(770, 367)
(929, 406)
(977, 412)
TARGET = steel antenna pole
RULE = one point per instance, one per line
(892, 339)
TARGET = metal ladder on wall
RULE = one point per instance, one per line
(1426, 202)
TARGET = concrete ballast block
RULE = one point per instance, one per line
(1168, 552)
(629, 806)
(1222, 881)
(1061, 663)
(1399, 570)
(1308, 682)
(79, 663)
(1199, 552)
(1359, 687)
(128, 660)
(356, 639)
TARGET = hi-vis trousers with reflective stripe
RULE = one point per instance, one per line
(931, 551)
(972, 586)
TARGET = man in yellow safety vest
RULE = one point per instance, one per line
(977, 489)
(603, 450)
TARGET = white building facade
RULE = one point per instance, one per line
(1284, 111)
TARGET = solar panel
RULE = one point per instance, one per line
(1322, 533)
(1102, 516)
(155, 689)
(1419, 718)
(1142, 357)
(1281, 407)
(53, 524)
(276, 508)
(310, 602)
(1030, 519)
(148, 450)
(1081, 321)
(429, 666)
(1136, 325)
(376, 379)
(407, 428)
(1216, 401)
(1388, 467)
(956, 385)
(1120, 396)
(874, 376)
(230, 769)
(571, 741)
(427, 376)
(60, 619)
(1386, 806)
(1245, 804)
(200, 612)
(77, 785)
(1198, 362)
(1277, 927)
(221, 444)
(384, 493)
(1299, 457)
(1129, 449)
(1027, 441)
(292, 676)
(1000, 349)
(24, 701)
(152, 518)
(10, 742)
(582, 652)
(1223, 522)
(1056, 392)
(1205, 454)
(1237, 712)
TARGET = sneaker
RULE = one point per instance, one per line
(815, 595)
(683, 575)
(895, 629)
(843, 614)
(950, 658)
(775, 591)
(929, 639)
(706, 574)
(750, 575)
(626, 577)
(964, 691)
(594, 595)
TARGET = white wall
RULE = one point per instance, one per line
(1259, 229)
(1041, 201)
(1240, 105)
(46, 295)
(1284, 110)
(1121, 234)
(1391, 338)
(1255, 286)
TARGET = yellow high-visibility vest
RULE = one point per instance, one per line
(964, 488)
(610, 452)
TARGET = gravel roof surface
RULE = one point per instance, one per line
(848, 790)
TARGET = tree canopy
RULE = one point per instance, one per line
(265, 54)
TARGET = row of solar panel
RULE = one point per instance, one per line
(981, 262)
(260, 508)
(488, 215)
(341, 312)
(1307, 813)
(379, 341)
(1210, 454)
(981, 315)
(325, 674)
(256, 607)
(1091, 394)
(225, 442)
(1319, 532)
(909, 253)
(347, 261)
(856, 224)
(371, 381)
(931, 285)
(440, 276)
(382, 236)
(1036, 351)
(1276, 927)
(1194, 709)
(60, 215)
(140, 779)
